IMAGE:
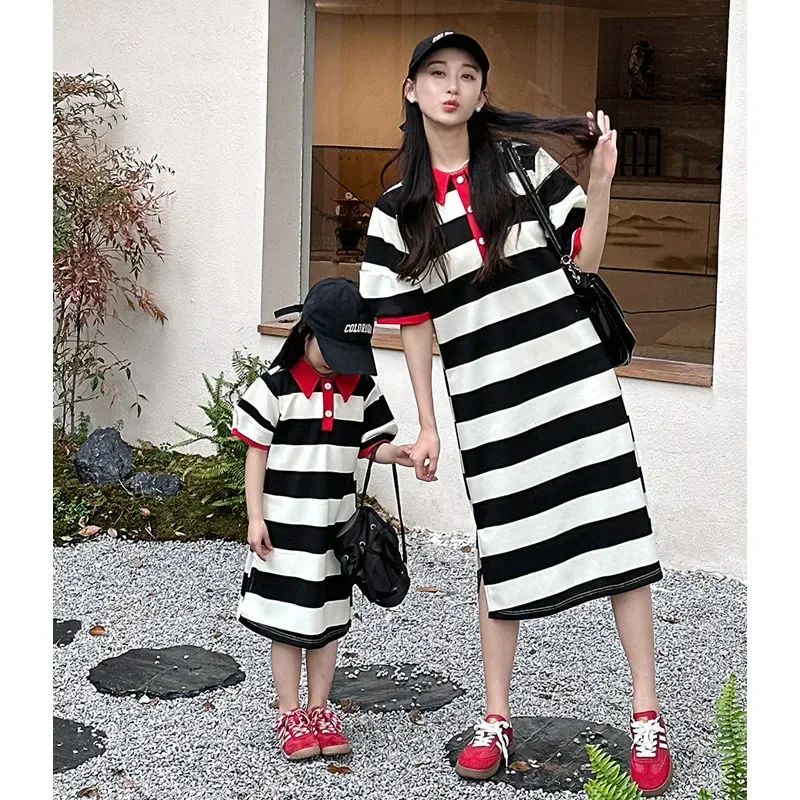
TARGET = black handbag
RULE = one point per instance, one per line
(367, 549)
(595, 296)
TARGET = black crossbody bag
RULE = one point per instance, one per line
(595, 296)
(368, 551)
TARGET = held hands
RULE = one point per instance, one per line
(604, 156)
(394, 454)
(425, 454)
(258, 538)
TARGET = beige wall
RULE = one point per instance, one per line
(361, 61)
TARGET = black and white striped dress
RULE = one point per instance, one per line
(315, 429)
(547, 449)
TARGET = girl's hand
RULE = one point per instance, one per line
(603, 164)
(394, 454)
(258, 538)
(425, 454)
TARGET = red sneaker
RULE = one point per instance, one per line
(651, 762)
(296, 735)
(493, 742)
(328, 729)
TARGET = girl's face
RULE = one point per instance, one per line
(314, 357)
(447, 87)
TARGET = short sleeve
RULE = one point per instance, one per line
(379, 424)
(561, 195)
(256, 414)
(391, 299)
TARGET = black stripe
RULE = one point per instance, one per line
(456, 232)
(542, 438)
(508, 393)
(254, 414)
(537, 499)
(555, 188)
(377, 414)
(591, 590)
(299, 592)
(512, 331)
(345, 433)
(465, 289)
(296, 639)
(379, 251)
(303, 538)
(317, 485)
(585, 538)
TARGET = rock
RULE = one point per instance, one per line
(557, 746)
(105, 457)
(64, 630)
(74, 743)
(392, 687)
(151, 483)
(180, 671)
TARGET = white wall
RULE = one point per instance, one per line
(195, 82)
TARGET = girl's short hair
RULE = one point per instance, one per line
(294, 347)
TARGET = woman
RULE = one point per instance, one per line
(546, 445)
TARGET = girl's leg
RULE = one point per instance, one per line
(498, 647)
(633, 612)
(286, 663)
(320, 665)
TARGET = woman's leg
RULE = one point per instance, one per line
(633, 612)
(498, 647)
(320, 665)
(286, 663)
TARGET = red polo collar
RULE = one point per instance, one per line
(441, 181)
(307, 379)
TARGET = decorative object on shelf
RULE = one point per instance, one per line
(640, 152)
(641, 70)
(712, 86)
(352, 226)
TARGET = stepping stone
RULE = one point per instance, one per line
(180, 671)
(160, 484)
(74, 743)
(64, 630)
(392, 687)
(554, 750)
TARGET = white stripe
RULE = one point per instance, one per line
(376, 282)
(586, 567)
(298, 406)
(389, 430)
(295, 619)
(502, 304)
(459, 261)
(382, 226)
(452, 209)
(308, 510)
(297, 564)
(313, 458)
(534, 471)
(521, 358)
(525, 416)
(558, 211)
(527, 235)
(555, 521)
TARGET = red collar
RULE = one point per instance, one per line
(441, 180)
(307, 379)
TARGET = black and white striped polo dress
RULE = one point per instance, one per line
(547, 449)
(315, 428)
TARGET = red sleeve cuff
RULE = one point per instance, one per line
(575, 247)
(414, 319)
(366, 452)
(247, 441)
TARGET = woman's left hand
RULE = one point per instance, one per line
(604, 156)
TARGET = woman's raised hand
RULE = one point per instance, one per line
(604, 156)
(425, 454)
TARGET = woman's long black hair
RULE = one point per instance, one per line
(493, 200)
(294, 348)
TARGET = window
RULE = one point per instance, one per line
(656, 66)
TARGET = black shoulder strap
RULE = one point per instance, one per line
(396, 494)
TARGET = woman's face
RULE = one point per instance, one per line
(447, 87)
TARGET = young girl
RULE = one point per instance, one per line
(307, 421)
(546, 445)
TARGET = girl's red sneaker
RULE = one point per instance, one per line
(651, 762)
(328, 730)
(493, 742)
(296, 735)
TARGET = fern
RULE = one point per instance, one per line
(732, 741)
(609, 782)
(704, 794)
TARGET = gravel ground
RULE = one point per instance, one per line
(162, 594)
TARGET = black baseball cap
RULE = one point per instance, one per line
(342, 325)
(448, 39)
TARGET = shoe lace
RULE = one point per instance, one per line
(293, 723)
(645, 733)
(326, 721)
(492, 732)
